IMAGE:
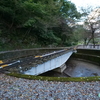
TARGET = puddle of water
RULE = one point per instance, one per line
(82, 69)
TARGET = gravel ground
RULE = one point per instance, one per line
(12, 88)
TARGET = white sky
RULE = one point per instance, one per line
(86, 3)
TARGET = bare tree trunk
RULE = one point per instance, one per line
(93, 42)
(92, 32)
(88, 41)
(85, 41)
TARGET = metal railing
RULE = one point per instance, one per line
(89, 46)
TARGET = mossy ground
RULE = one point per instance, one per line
(60, 79)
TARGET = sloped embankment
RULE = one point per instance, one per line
(90, 55)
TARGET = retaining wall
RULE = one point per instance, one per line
(10, 55)
(88, 54)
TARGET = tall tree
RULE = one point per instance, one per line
(40, 21)
(92, 23)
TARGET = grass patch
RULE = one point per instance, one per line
(60, 79)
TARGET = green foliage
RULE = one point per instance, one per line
(41, 22)
(81, 34)
(68, 9)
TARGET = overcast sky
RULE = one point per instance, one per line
(86, 3)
